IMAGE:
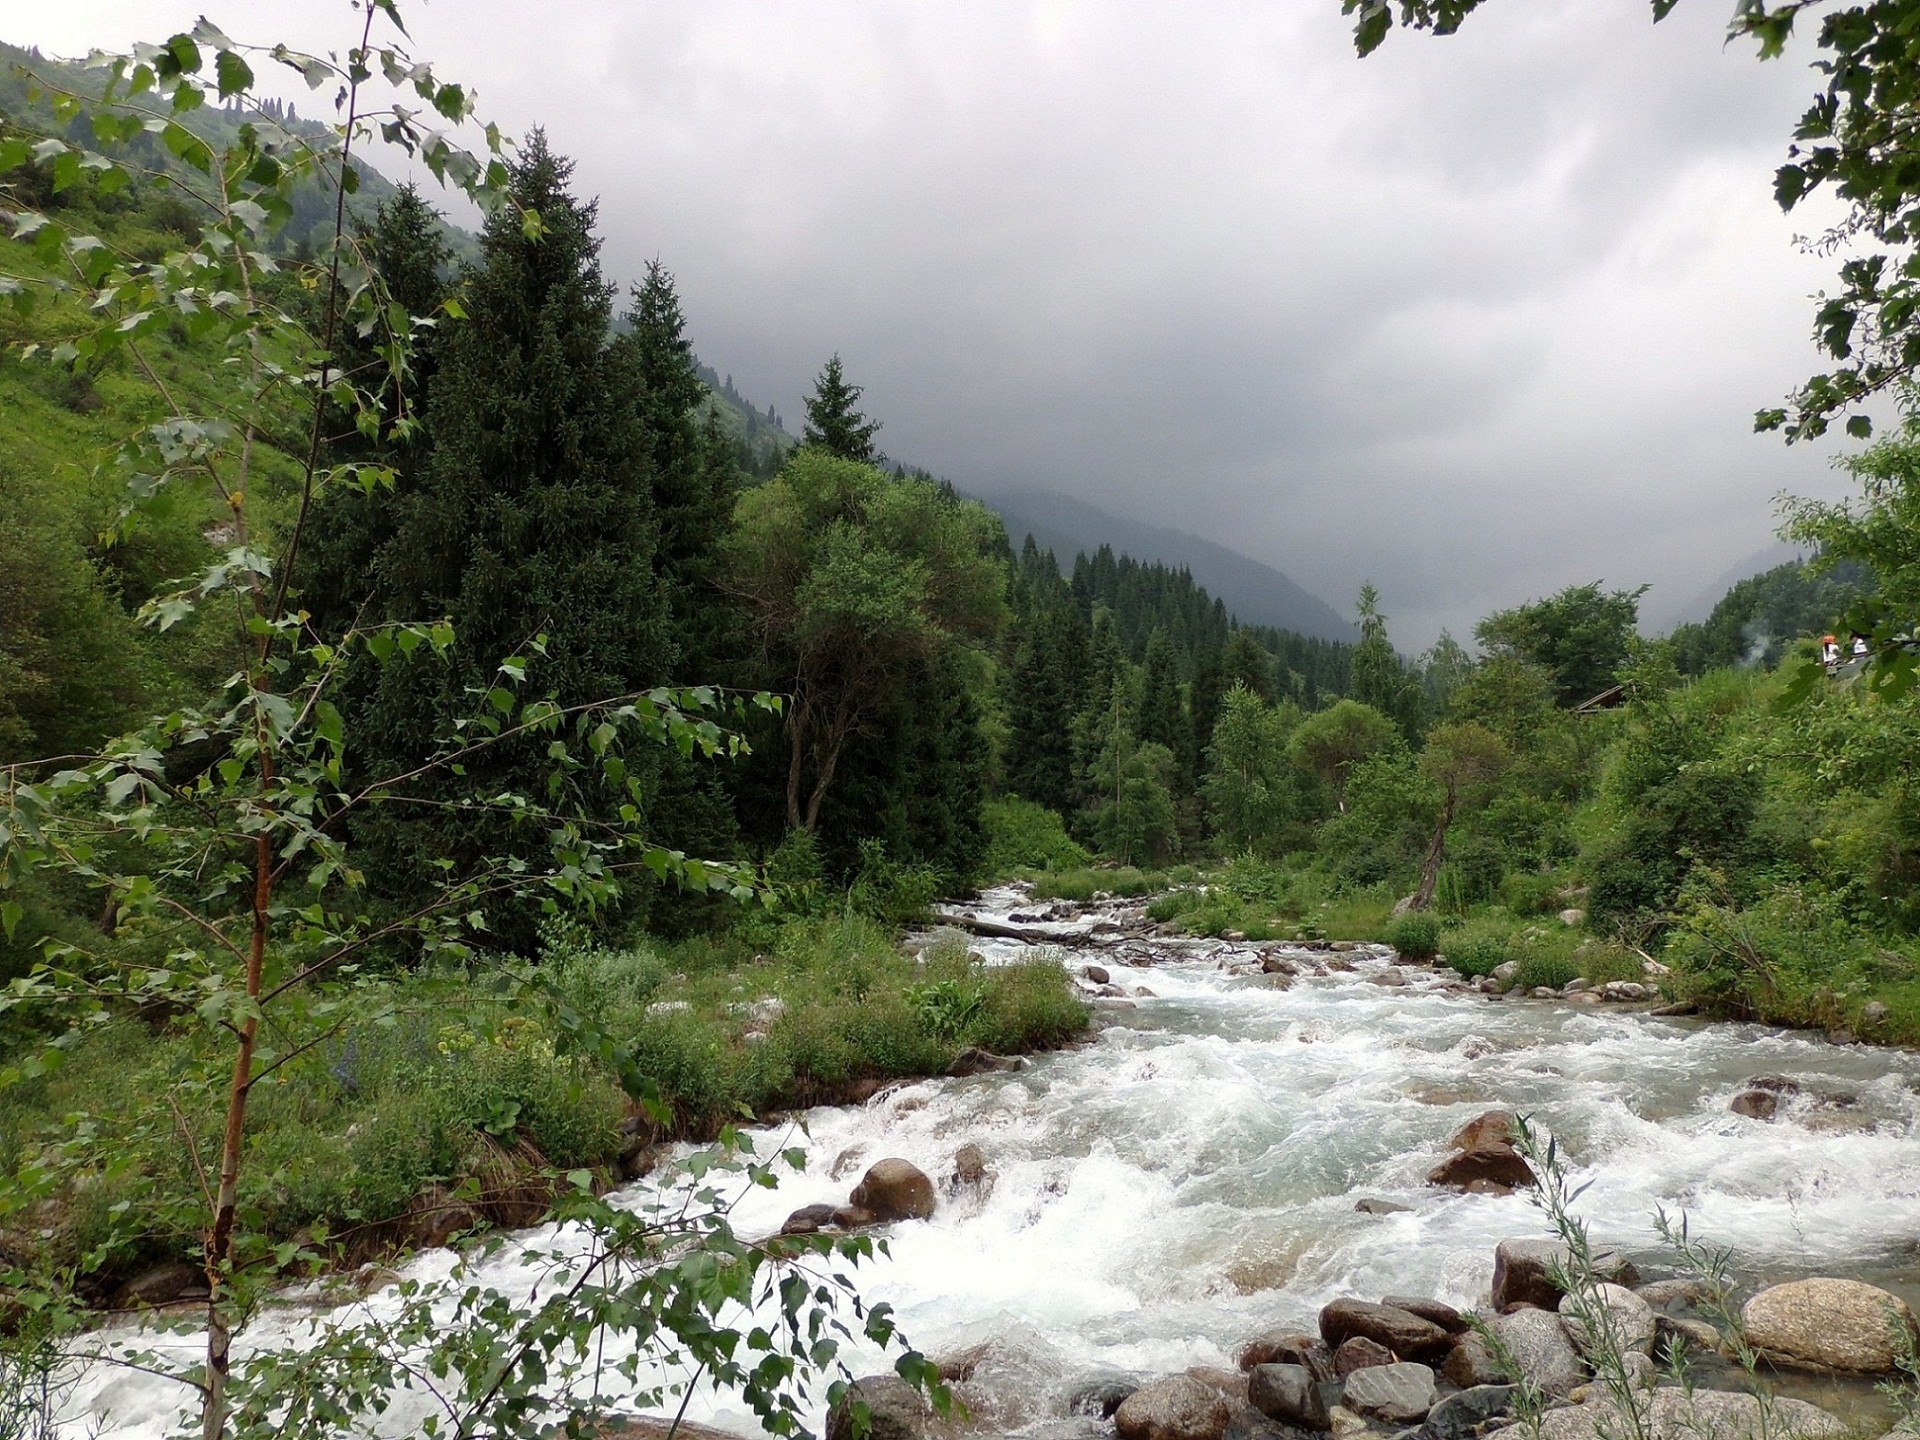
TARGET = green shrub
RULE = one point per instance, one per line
(1531, 893)
(1029, 1006)
(1540, 966)
(1174, 904)
(1022, 835)
(1477, 948)
(1415, 936)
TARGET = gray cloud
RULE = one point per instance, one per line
(1476, 318)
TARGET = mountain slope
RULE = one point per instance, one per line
(1256, 593)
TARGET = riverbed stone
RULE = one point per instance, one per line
(1433, 1311)
(1627, 1319)
(1827, 1324)
(1470, 1365)
(975, 1061)
(1755, 1104)
(1457, 1416)
(1520, 1272)
(1680, 1290)
(1699, 1336)
(1357, 1354)
(1493, 1164)
(1401, 1393)
(1098, 974)
(163, 1284)
(1402, 1332)
(1371, 1206)
(1675, 1414)
(1101, 1394)
(1490, 1127)
(1344, 1423)
(896, 1411)
(1627, 990)
(808, 1219)
(1289, 1347)
(1289, 1394)
(894, 1189)
(1541, 1349)
(1175, 1407)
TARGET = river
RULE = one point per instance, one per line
(1189, 1178)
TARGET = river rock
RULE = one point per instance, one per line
(808, 1219)
(851, 1217)
(435, 1216)
(1176, 1407)
(1097, 974)
(1698, 1336)
(1680, 1290)
(1575, 985)
(1380, 1207)
(1825, 1324)
(1520, 1272)
(896, 1411)
(1505, 973)
(1627, 1321)
(164, 1284)
(1101, 1395)
(1289, 1347)
(1357, 1354)
(1625, 990)
(1289, 1394)
(1402, 1332)
(975, 1061)
(1755, 1104)
(1492, 1127)
(1471, 1365)
(1458, 1416)
(1498, 1166)
(1401, 1393)
(1675, 1414)
(894, 1189)
(1445, 1316)
(1541, 1350)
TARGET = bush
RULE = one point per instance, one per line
(1024, 836)
(1479, 946)
(1415, 936)
(1540, 967)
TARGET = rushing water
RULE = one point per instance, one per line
(1190, 1178)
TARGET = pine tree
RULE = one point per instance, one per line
(1163, 718)
(832, 421)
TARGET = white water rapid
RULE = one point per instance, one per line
(1189, 1178)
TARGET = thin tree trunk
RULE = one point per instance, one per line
(796, 760)
(1436, 853)
(219, 1255)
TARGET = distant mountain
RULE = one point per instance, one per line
(1257, 594)
(1662, 618)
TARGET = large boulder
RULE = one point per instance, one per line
(1177, 1407)
(1357, 1354)
(1498, 1165)
(1443, 1315)
(1541, 1350)
(1402, 1332)
(1522, 1272)
(1289, 1394)
(895, 1410)
(894, 1189)
(1100, 1395)
(1401, 1394)
(1675, 1414)
(1492, 1127)
(1823, 1324)
(1619, 1318)
(1470, 1364)
(1289, 1347)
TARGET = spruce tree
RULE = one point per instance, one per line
(832, 421)
(1163, 717)
(534, 516)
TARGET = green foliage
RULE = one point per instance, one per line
(1415, 936)
(833, 424)
(1579, 637)
(1257, 800)
(1331, 743)
(1024, 836)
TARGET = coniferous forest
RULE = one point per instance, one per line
(452, 744)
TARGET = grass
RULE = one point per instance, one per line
(454, 1079)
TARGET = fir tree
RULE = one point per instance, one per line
(832, 421)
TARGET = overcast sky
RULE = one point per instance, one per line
(1475, 318)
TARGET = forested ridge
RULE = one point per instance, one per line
(454, 662)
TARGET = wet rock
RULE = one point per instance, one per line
(1620, 1318)
(1392, 975)
(1697, 1337)
(1520, 1272)
(1097, 974)
(1289, 1394)
(1404, 1333)
(1779, 1084)
(1575, 985)
(163, 1284)
(435, 1216)
(1755, 1104)
(1343, 1422)
(1681, 1290)
(1840, 1035)
(1380, 1207)
(1586, 997)
(1141, 992)
(1289, 1347)
(1470, 1365)
(1500, 1165)
(1494, 1127)
(808, 1219)
(1401, 1393)
(1278, 965)
(1505, 973)
(1101, 1395)
(1357, 1354)
(1343, 947)
(975, 1061)
(1445, 1316)
(896, 1411)
(1628, 990)
(851, 1217)
(1674, 1414)
(894, 1189)
(1541, 1351)
(1231, 1385)
(1677, 1007)
(1459, 1416)
(1544, 992)
(1177, 1407)
(1825, 1324)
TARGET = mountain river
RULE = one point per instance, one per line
(1189, 1178)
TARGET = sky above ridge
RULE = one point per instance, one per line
(1476, 318)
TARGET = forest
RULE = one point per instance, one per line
(423, 677)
